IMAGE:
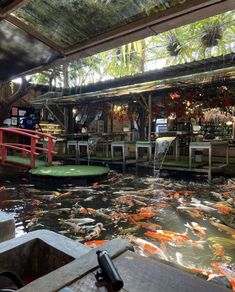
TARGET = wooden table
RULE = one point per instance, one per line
(209, 145)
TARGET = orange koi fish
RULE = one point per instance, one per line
(169, 237)
(194, 213)
(161, 237)
(95, 243)
(2, 189)
(175, 195)
(150, 247)
(149, 209)
(91, 210)
(140, 216)
(218, 250)
(79, 209)
(224, 209)
(225, 228)
(65, 195)
(225, 270)
(126, 200)
(163, 205)
(149, 226)
(196, 229)
(187, 193)
(36, 203)
(207, 273)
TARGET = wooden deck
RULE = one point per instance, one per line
(171, 164)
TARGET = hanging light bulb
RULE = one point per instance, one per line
(172, 116)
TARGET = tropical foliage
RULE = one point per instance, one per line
(207, 38)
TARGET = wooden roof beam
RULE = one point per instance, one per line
(12, 6)
(20, 24)
(179, 15)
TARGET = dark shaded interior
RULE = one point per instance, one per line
(21, 52)
(32, 260)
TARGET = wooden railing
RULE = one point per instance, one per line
(26, 148)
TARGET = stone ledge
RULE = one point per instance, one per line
(7, 226)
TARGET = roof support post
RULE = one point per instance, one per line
(149, 116)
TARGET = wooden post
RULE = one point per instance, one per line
(33, 152)
(66, 120)
(50, 148)
(65, 74)
(70, 120)
(149, 116)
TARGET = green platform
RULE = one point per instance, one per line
(75, 171)
(24, 161)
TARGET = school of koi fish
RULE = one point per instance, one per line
(191, 225)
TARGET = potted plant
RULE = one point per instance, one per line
(211, 34)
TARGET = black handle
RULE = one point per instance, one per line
(109, 271)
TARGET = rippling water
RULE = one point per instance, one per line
(42, 207)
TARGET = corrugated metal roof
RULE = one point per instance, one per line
(69, 22)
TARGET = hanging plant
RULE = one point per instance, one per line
(211, 34)
(120, 112)
(175, 95)
(173, 46)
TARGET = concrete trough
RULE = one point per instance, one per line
(7, 226)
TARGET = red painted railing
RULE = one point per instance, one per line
(26, 148)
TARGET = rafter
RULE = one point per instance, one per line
(34, 33)
(12, 6)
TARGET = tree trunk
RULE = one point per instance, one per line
(7, 100)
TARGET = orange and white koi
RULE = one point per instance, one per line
(65, 195)
(78, 209)
(194, 213)
(95, 243)
(150, 247)
(126, 200)
(196, 229)
(207, 273)
(140, 216)
(225, 228)
(170, 237)
(36, 203)
(77, 228)
(224, 209)
(148, 225)
(218, 250)
(95, 232)
(2, 189)
(149, 209)
(225, 270)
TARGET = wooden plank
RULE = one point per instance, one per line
(12, 6)
(20, 24)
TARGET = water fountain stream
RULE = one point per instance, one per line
(162, 146)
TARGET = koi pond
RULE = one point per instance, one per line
(186, 223)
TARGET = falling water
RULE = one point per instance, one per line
(162, 146)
